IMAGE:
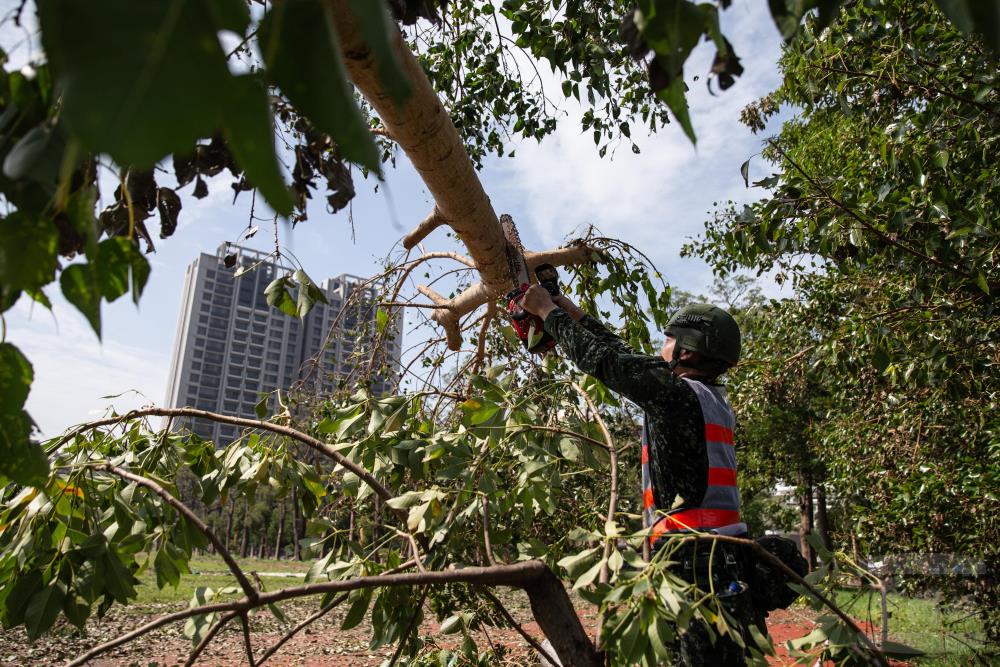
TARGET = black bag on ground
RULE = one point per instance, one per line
(770, 589)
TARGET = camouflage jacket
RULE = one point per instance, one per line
(678, 458)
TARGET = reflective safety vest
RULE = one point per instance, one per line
(719, 509)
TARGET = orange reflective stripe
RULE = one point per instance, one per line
(647, 498)
(645, 454)
(697, 519)
(721, 477)
(717, 433)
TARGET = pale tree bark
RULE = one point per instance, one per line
(424, 131)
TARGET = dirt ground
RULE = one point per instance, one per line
(322, 644)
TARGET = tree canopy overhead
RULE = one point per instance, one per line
(881, 211)
(885, 182)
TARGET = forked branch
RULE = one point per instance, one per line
(549, 602)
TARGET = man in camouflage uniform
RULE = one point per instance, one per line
(680, 473)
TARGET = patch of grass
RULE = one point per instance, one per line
(948, 635)
(206, 564)
(212, 572)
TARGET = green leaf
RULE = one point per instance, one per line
(941, 158)
(80, 287)
(118, 580)
(379, 33)
(21, 460)
(261, 408)
(576, 563)
(16, 375)
(76, 610)
(300, 48)
(37, 155)
(381, 320)
(140, 272)
(250, 134)
(28, 253)
(902, 651)
(982, 282)
(787, 14)
(676, 100)
(196, 627)
(348, 423)
(15, 602)
(589, 576)
(452, 624)
(978, 16)
(112, 265)
(167, 571)
(881, 361)
(164, 85)
(745, 173)
(278, 296)
(815, 637)
(660, 637)
(358, 609)
(276, 611)
(478, 411)
(43, 608)
(309, 293)
(407, 500)
(828, 10)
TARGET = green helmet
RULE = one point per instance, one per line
(708, 330)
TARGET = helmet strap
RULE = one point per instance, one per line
(676, 358)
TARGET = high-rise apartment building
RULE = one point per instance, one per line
(231, 347)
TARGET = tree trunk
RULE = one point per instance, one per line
(424, 131)
(822, 518)
(557, 618)
(229, 520)
(296, 550)
(806, 518)
(281, 530)
(245, 532)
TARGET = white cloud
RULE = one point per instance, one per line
(662, 196)
(73, 370)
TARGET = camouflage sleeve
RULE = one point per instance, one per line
(604, 334)
(643, 379)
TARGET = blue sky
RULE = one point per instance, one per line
(655, 201)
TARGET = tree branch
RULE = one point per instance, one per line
(209, 636)
(487, 541)
(562, 431)
(793, 575)
(438, 300)
(248, 647)
(885, 238)
(287, 431)
(548, 597)
(423, 230)
(896, 79)
(517, 626)
(294, 631)
(478, 294)
(491, 310)
(409, 628)
(248, 588)
(318, 615)
(613, 491)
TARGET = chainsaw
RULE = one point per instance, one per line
(528, 327)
